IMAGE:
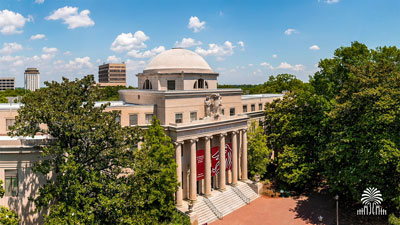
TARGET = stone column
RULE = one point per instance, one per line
(244, 155)
(193, 171)
(207, 171)
(178, 160)
(222, 164)
(234, 158)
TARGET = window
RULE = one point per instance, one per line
(171, 84)
(11, 182)
(133, 119)
(193, 116)
(199, 84)
(232, 111)
(147, 85)
(244, 108)
(9, 122)
(206, 84)
(178, 118)
(253, 107)
(223, 111)
(260, 106)
(149, 117)
(118, 119)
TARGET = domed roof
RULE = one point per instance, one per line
(179, 59)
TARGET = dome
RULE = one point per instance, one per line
(178, 60)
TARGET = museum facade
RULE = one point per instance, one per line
(207, 125)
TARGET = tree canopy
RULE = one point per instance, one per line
(94, 170)
(342, 131)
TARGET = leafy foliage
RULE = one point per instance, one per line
(259, 155)
(110, 93)
(295, 133)
(342, 131)
(275, 84)
(12, 93)
(90, 161)
(364, 148)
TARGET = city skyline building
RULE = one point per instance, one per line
(7, 83)
(112, 74)
(31, 79)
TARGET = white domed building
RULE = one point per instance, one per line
(180, 89)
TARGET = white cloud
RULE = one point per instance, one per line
(187, 43)
(314, 47)
(113, 59)
(285, 65)
(267, 65)
(39, 1)
(11, 22)
(67, 53)
(50, 50)
(195, 24)
(241, 44)
(9, 48)
(37, 36)
(217, 50)
(274, 56)
(147, 54)
(127, 41)
(250, 64)
(71, 17)
(79, 63)
(135, 66)
(291, 31)
(49, 53)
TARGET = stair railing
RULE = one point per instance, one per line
(213, 208)
(241, 195)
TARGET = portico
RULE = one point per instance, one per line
(215, 175)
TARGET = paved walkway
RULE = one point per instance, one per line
(279, 211)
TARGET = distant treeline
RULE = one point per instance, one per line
(275, 84)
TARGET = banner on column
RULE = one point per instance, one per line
(215, 161)
(228, 156)
(200, 164)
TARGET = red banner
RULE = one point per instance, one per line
(200, 164)
(215, 159)
(228, 156)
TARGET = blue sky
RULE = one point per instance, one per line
(245, 41)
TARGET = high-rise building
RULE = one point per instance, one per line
(112, 74)
(32, 79)
(7, 83)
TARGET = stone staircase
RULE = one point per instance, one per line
(221, 204)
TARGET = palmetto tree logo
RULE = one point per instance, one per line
(372, 199)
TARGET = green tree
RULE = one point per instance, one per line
(85, 160)
(295, 133)
(282, 82)
(364, 148)
(7, 217)
(259, 155)
(154, 182)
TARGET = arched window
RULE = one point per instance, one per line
(147, 84)
(199, 84)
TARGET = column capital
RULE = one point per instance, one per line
(194, 140)
(177, 143)
(222, 135)
(208, 137)
(245, 130)
(235, 132)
